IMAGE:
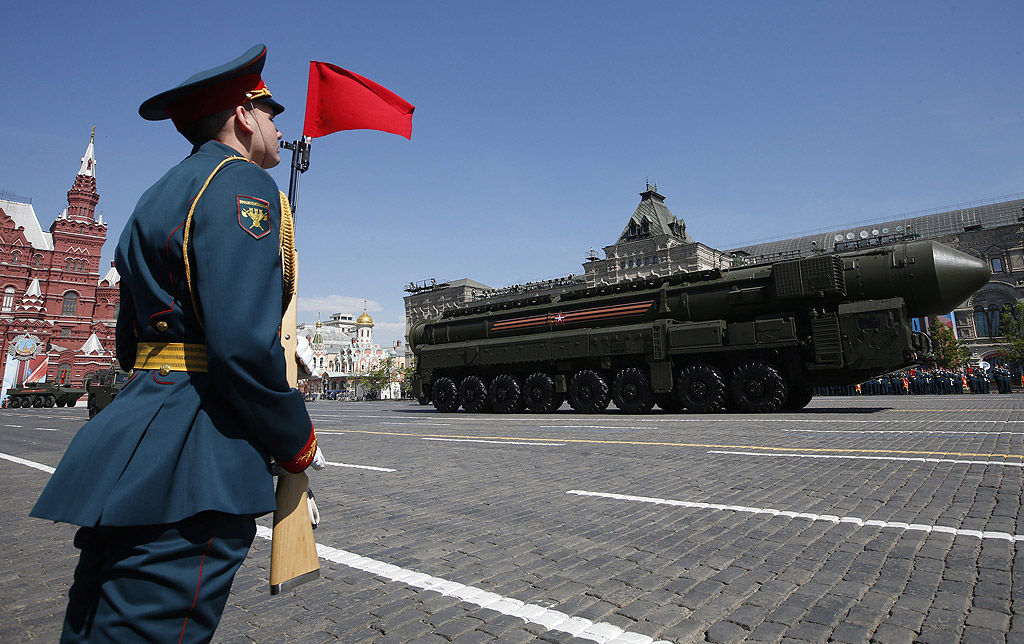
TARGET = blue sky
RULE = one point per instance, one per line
(537, 123)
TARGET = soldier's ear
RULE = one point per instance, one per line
(244, 120)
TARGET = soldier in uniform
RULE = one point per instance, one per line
(167, 481)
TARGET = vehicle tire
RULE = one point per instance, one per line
(37, 402)
(473, 395)
(632, 391)
(15, 402)
(49, 401)
(445, 395)
(506, 395)
(588, 392)
(799, 397)
(757, 387)
(701, 389)
(539, 392)
(667, 403)
(60, 403)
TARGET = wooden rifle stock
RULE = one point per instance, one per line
(293, 558)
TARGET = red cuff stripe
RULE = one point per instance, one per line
(304, 457)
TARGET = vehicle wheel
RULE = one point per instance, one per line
(798, 397)
(445, 395)
(701, 389)
(49, 401)
(667, 403)
(506, 395)
(540, 394)
(37, 401)
(60, 403)
(757, 387)
(473, 394)
(588, 392)
(15, 402)
(632, 391)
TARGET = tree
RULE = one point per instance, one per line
(378, 378)
(948, 352)
(407, 374)
(1012, 329)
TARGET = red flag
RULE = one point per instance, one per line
(337, 100)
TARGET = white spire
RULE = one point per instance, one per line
(92, 345)
(89, 160)
(112, 277)
(33, 299)
(33, 289)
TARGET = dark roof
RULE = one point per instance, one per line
(652, 218)
(928, 226)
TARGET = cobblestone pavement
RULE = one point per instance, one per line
(883, 519)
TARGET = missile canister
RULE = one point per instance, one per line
(754, 338)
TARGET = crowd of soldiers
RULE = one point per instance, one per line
(928, 381)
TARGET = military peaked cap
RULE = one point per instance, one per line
(213, 90)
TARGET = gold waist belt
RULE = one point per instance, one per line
(171, 356)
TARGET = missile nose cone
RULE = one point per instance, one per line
(959, 275)
(943, 277)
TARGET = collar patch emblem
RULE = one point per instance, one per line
(254, 216)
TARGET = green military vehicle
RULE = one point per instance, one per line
(43, 394)
(103, 387)
(753, 338)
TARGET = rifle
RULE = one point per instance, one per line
(293, 557)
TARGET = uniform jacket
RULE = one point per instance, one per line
(171, 446)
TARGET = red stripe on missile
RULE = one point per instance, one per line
(570, 317)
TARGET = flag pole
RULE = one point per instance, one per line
(300, 163)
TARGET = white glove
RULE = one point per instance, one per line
(304, 353)
(318, 461)
(314, 512)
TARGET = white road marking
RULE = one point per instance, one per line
(831, 518)
(21, 461)
(362, 467)
(730, 419)
(907, 431)
(875, 458)
(476, 440)
(554, 620)
(13, 425)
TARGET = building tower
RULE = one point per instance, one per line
(74, 265)
(364, 329)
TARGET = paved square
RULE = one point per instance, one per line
(886, 519)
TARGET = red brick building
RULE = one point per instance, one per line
(51, 282)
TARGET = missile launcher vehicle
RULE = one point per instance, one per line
(753, 339)
(43, 394)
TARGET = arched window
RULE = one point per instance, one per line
(986, 320)
(70, 263)
(37, 261)
(70, 306)
(15, 256)
(117, 309)
(8, 305)
(64, 373)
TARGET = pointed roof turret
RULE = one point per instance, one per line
(32, 302)
(93, 346)
(88, 168)
(112, 277)
(83, 197)
(318, 339)
(652, 218)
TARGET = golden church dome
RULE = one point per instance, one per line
(364, 319)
